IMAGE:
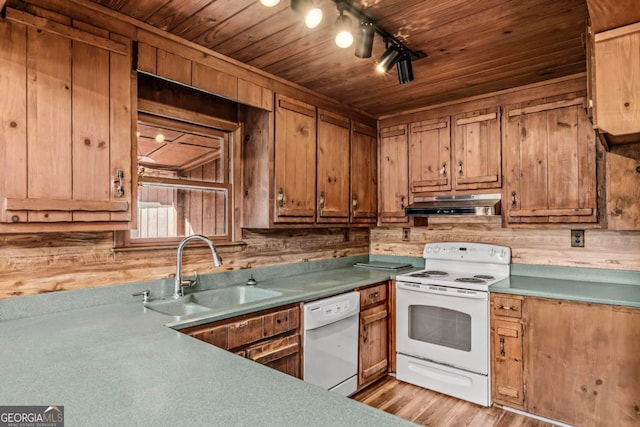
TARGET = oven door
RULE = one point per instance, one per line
(444, 325)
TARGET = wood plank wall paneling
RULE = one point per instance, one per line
(603, 248)
(48, 262)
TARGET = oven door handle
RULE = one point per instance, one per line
(440, 290)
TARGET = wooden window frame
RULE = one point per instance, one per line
(183, 120)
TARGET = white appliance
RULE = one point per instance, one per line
(442, 319)
(330, 343)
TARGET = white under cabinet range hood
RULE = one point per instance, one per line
(469, 204)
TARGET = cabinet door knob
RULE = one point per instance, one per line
(502, 352)
(402, 202)
(354, 202)
(460, 171)
(513, 199)
(444, 169)
(280, 197)
(322, 200)
(119, 182)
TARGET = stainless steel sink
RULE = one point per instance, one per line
(206, 301)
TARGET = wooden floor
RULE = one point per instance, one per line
(428, 408)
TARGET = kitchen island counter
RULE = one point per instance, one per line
(119, 364)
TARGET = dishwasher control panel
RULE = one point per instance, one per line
(329, 310)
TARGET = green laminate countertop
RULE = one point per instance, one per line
(119, 364)
(586, 285)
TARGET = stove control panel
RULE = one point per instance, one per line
(473, 252)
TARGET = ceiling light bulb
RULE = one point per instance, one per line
(269, 3)
(313, 18)
(344, 38)
(160, 138)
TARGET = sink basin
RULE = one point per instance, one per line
(232, 295)
(205, 301)
(177, 307)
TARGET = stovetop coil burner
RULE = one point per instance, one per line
(469, 280)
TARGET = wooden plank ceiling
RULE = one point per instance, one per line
(473, 46)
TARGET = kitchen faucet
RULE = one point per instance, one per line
(180, 284)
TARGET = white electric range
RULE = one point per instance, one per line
(442, 319)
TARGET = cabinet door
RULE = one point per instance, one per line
(295, 161)
(372, 351)
(69, 123)
(617, 72)
(394, 174)
(333, 168)
(550, 159)
(430, 156)
(623, 189)
(581, 363)
(507, 367)
(477, 156)
(281, 354)
(364, 174)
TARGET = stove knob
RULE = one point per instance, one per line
(503, 253)
(428, 249)
(492, 252)
(436, 249)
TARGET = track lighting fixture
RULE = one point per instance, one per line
(344, 38)
(388, 59)
(397, 53)
(312, 15)
(405, 70)
(364, 40)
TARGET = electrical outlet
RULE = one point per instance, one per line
(406, 234)
(577, 238)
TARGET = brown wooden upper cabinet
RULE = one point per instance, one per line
(394, 174)
(550, 162)
(65, 145)
(364, 174)
(430, 156)
(459, 153)
(201, 76)
(476, 154)
(295, 161)
(333, 168)
(617, 73)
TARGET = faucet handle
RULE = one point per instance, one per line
(144, 294)
(187, 283)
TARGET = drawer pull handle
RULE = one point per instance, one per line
(507, 307)
(375, 295)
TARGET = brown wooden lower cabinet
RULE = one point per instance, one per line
(373, 360)
(271, 338)
(579, 361)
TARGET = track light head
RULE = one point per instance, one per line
(364, 40)
(405, 69)
(388, 59)
(312, 15)
(344, 38)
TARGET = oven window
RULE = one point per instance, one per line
(440, 326)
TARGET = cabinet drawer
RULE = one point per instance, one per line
(274, 349)
(281, 321)
(245, 331)
(373, 295)
(507, 307)
(216, 335)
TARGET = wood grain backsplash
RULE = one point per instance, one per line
(48, 262)
(603, 249)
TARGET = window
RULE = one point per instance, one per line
(184, 182)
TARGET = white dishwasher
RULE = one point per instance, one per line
(330, 343)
